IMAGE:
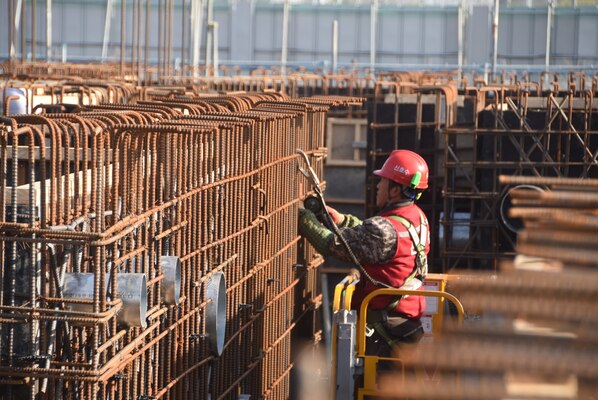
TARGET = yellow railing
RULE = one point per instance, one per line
(370, 362)
(398, 292)
(343, 294)
(343, 291)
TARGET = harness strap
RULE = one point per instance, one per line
(378, 327)
(419, 244)
(415, 280)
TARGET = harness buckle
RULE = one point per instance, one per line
(369, 331)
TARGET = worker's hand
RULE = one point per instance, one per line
(337, 217)
(355, 273)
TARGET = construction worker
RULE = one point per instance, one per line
(391, 246)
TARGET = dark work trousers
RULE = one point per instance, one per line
(400, 330)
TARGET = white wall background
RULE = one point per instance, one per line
(251, 34)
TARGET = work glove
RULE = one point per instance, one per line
(315, 233)
(307, 221)
(337, 217)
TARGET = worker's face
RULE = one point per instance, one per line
(382, 195)
(386, 194)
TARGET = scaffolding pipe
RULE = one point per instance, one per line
(170, 36)
(48, 30)
(495, 36)
(133, 34)
(460, 27)
(285, 37)
(17, 12)
(164, 38)
(21, 7)
(196, 21)
(146, 44)
(548, 32)
(33, 33)
(334, 46)
(159, 63)
(11, 27)
(183, 34)
(209, 17)
(215, 44)
(138, 48)
(164, 16)
(373, 14)
(122, 37)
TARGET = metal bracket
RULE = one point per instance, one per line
(216, 313)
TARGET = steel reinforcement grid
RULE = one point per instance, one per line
(470, 133)
(530, 330)
(150, 251)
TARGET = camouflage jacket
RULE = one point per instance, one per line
(373, 241)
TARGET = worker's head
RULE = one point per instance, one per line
(404, 175)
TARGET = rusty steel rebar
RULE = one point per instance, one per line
(111, 187)
(531, 325)
(132, 174)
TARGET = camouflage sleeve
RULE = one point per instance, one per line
(373, 242)
(350, 221)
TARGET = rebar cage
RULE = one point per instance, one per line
(119, 191)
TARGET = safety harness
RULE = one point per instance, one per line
(414, 281)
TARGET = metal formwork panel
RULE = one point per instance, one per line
(323, 26)
(522, 35)
(410, 115)
(516, 134)
(586, 47)
(567, 42)
(251, 32)
(304, 42)
(416, 36)
(267, 32)
(478, 36)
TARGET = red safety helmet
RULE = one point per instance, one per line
(405, 167)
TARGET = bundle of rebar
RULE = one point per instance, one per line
(117, 220)
(531, 328)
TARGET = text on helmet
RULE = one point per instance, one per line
(402, 170)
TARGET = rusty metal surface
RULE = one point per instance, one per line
(235, 212)
(109, 189)
(530, 332)
(410, 111)
(470, 131)
(515, 131)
